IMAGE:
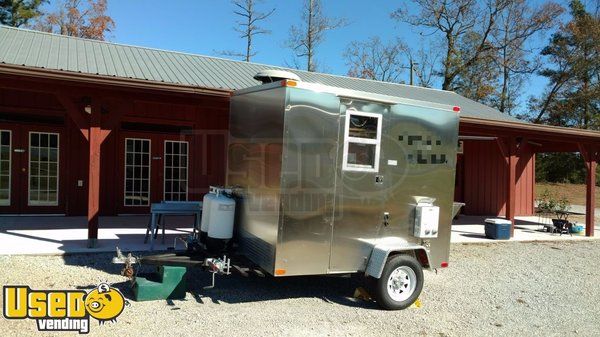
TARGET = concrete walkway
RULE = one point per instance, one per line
(471, 229)
(59, 235)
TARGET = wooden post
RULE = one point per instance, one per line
(91, 129)
(590, 198)
(95, 142)
(512, 182)
(590, 156)
(508, 148)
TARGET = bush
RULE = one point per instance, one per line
(549, 204)
(562, 167)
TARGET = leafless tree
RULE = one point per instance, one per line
(517, 23)
(455, 19)
(479, 80)
(425, 62)
(248, 25)
(375, 60)
(306, 37)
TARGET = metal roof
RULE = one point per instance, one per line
(33, 49)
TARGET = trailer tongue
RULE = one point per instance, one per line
(324, 180)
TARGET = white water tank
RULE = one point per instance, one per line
(205, 221)
(222, 214)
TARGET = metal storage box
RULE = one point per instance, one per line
(324, 174)
(497, 229)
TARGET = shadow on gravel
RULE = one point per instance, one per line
(235, 288)
(98, 261)
(477, 236)
(240, 289)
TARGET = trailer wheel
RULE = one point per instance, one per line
(400, 283)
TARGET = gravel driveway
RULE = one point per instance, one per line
(540, 289)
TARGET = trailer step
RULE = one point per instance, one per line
(168, 282)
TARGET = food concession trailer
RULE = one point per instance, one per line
(334, 181)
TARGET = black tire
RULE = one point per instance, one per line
(404, 262)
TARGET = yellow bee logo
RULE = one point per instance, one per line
(104, 303)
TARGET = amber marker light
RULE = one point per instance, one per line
(289, 83)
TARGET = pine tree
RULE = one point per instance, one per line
(573, 94)
(17, 13)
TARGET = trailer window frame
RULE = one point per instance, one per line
(359, 140)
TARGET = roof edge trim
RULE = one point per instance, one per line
(530, 126)
(109, 80)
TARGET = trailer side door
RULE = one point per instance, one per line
(360, 184)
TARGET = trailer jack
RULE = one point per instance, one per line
(128, 262)
(218, 266)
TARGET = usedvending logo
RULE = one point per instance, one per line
(63, 310)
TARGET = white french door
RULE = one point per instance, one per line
(137, 172)
(32, 180)
(175, 171)
(156, 168)
(5, 166)
(43, 169)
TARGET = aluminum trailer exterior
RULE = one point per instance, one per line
(329, 179)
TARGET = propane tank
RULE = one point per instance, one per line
(205, 221)
(220, 230)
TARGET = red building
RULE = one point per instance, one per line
(95, 128)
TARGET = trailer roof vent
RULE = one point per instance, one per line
(274, 75)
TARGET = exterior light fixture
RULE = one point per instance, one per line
(87, 104)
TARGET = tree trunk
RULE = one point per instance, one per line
(586, 105)
(505, 75)
(309, 37)
(249, 36)
(448, 78)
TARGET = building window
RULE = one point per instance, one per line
(43, 169)
(176, 170)
(5, 161)
(362, 138)
(137, 172)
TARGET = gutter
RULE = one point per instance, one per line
(110, 80)
(531, 127)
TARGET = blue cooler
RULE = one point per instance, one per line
(497, 229)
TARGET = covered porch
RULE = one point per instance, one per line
(504, 185)
(96, 168)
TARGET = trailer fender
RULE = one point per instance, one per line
(381, 252)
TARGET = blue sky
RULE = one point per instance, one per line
(206, 27)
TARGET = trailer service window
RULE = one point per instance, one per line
(362, 138)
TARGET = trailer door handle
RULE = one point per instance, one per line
(386, 218)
